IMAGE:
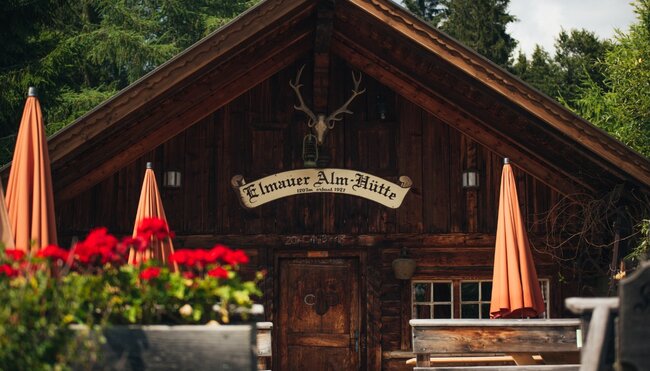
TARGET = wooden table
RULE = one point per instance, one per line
(554, 339)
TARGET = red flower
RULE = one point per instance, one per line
(180, 256)
(154, 227)
(196, 258)
(150, 273)
(236, 257)
(138, 243)
(100, 247)
(54, 253)
(7, 270)
(15, 254)
(218, 272)
(189, 275)
(217, 253)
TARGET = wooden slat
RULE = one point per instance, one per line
(322, 340)
(409, 215)
(491, 336)
(504, 368)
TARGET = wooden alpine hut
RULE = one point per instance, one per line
(330, 139)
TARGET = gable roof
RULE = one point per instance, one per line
(380, 39)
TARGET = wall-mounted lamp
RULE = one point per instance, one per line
(172, 179)
(470, 179)
(404, 267)
(309, 150)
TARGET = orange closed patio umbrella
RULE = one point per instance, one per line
(30, 202)
(6, 237)
(516, 292)
(150, 206)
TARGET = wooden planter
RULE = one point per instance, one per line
(230, 347)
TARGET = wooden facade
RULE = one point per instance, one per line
(225, 107)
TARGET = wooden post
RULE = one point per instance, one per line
(423, 360)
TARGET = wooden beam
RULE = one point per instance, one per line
(145, 135)
(411, 88)
(322, 37)
(417, 241)
(584, 134)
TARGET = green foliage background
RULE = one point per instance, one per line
(81, 52)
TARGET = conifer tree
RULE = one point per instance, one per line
(481, 25)
(80, 52)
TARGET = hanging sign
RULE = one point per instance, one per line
(305, 181)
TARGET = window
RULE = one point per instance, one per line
(475, 299)
(432, 299)
(436, 299)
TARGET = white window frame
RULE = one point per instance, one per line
(431, 303)
(456, 304)
(480, 302)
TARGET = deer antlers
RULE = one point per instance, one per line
(302, 107)
(332, 118)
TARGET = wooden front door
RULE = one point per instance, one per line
(318, 316)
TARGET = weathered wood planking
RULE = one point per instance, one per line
(504, 368)
(494, 336)
(251, 136)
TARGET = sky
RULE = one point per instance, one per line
(540, 21)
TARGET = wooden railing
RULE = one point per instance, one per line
(555, 340)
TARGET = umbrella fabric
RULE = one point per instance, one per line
(6, 237)
(150, 206)
(516, 292)
(30, 202)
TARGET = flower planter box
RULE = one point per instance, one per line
(194, 347)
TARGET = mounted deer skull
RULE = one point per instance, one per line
(320, 123)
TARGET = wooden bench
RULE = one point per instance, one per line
(555, 340)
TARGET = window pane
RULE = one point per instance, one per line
(485, 310)
(486, 290)
(422, 292)
(469, 291)
(422, 311)
(442, 311)
(442, 291)
(469, 310)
